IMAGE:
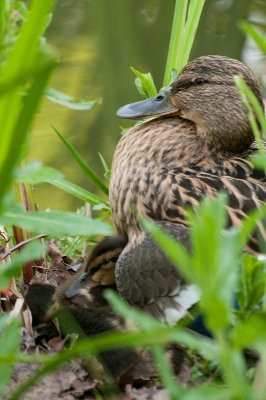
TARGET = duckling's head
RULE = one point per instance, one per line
(205, 93)
(99, 271)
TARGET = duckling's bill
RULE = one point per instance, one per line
(161, 104)
(79, 284)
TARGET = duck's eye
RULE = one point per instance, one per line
(105, 260)
(200, 81)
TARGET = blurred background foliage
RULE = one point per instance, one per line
(97, 42)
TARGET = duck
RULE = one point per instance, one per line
(195, 141)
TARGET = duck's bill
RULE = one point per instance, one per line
(161, 104)
(79, 284)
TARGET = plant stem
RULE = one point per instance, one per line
(176, 38)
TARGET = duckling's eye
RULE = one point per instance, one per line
(105, 260)
(200, 81)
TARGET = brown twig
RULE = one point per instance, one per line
(20, 244)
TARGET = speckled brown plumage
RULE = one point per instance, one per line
(200, 148)
(197, 143)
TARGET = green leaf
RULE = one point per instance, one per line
(251, 285)
(176, 39)
(32, 251)
(250, 331)
(107, 172)
(76, 191)
(67, 101)
(258, 36)
(193, 17)
(259, 161)
(144, 84)
(252, 104)
(35, 173)
(83, 165)
(185, 24)
(9, 342)
(55, 223)
(14, 133)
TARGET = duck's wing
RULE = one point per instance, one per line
(178, 188)
(147, 279)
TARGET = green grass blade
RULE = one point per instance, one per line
(251, 103)
(82, 163)
(194, 13)
(76, 191)
(259, 38)
(68, 101)
(176, 39)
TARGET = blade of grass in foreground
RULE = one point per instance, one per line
(55, 223)
(81, 162)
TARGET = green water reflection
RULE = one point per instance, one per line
(97, 41)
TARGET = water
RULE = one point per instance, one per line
(97, 41)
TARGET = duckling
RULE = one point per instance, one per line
(86, 288)
(197, 143)
(80, 308)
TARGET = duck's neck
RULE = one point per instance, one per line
(171, 142)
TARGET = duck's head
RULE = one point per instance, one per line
(205, 93)
(99, 271)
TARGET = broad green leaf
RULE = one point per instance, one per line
(32, 251)
(145, 84)
(83, 165)
(55, 223)
(16, 132)
(67, 101)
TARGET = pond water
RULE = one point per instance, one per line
(97, 42)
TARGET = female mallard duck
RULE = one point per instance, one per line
(197, 144)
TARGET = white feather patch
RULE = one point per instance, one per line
(177, 307)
